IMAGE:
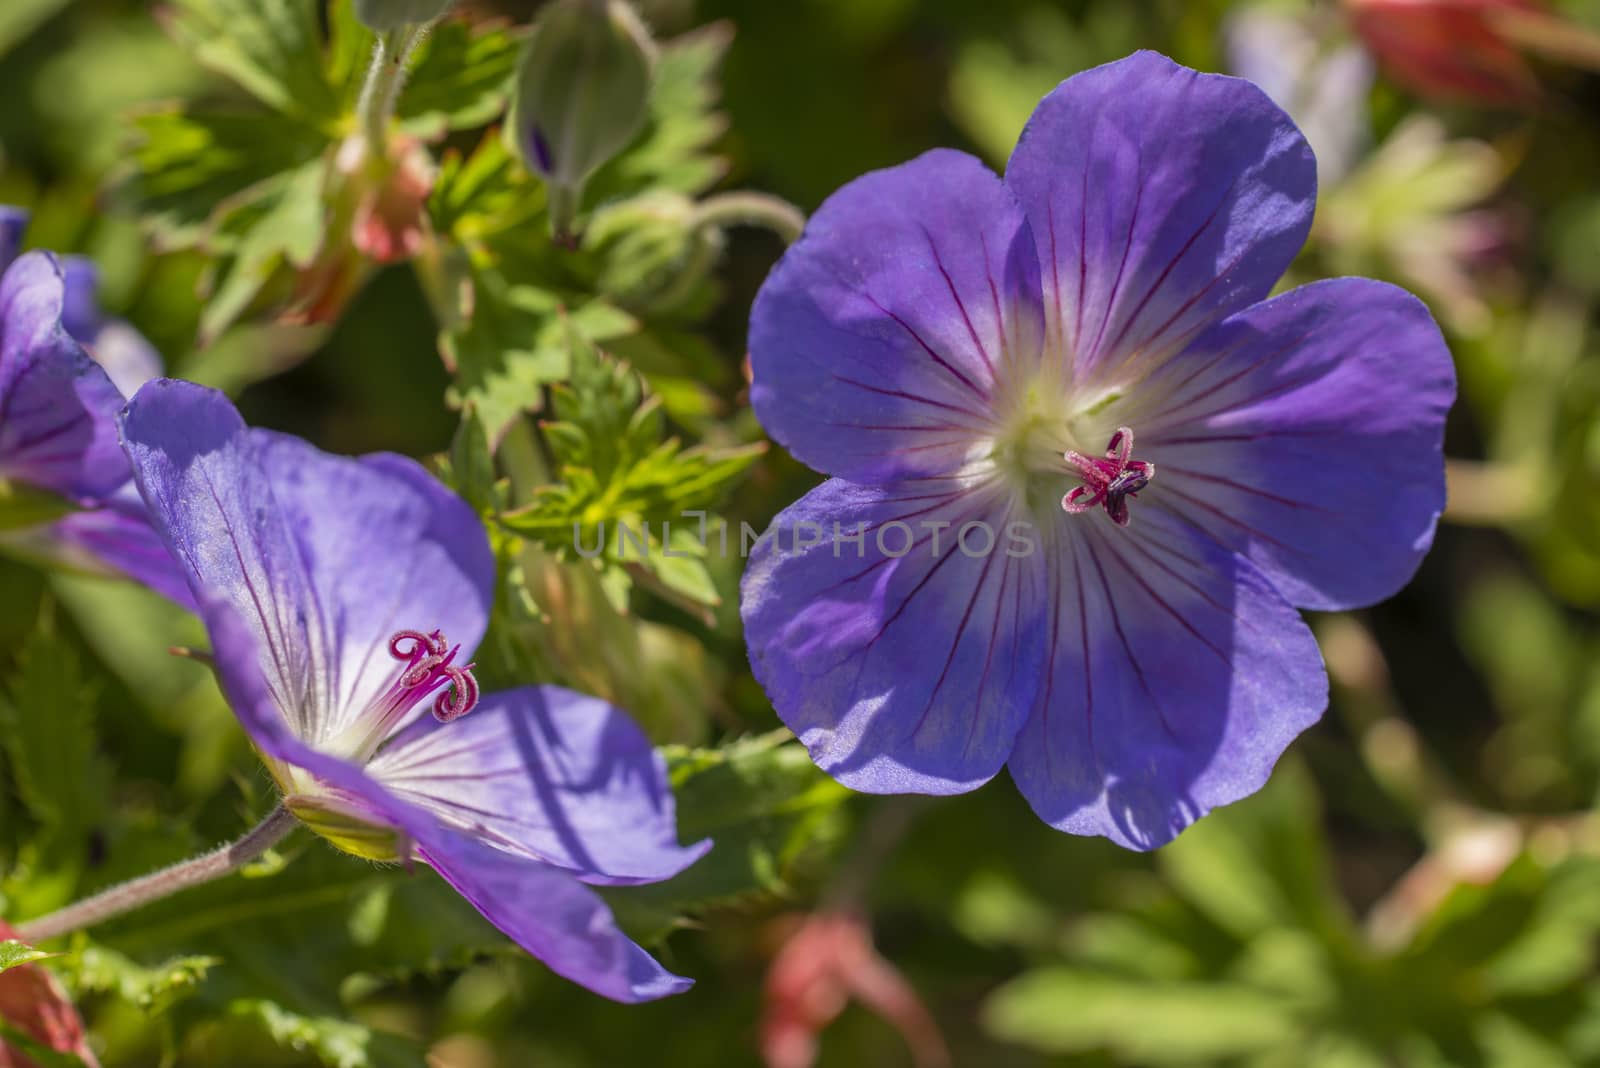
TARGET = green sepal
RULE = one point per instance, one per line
(346, 831)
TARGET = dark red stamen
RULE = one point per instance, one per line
(429, 666)
(1109, 480)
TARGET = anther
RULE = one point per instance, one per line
(1109, 480)
(428, 666)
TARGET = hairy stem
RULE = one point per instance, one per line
(385, 77)
(752, 209)
(137, 893)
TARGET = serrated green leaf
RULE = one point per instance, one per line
(516, 344)
(334, 1043)
(283, 226)
(153, 989)
(483, 192)
(271, 48)
(459, 81)
(14, 954)
(505, 355)
(637, 502)
(188, 171)
(47, 719)
(768, 809)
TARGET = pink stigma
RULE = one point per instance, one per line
(428, 666)
(1109, 480)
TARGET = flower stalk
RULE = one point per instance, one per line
(146, 889)
(386, 76)
(772, 213)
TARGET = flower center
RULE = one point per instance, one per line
(429, 670)
(429, 666)
(1108, 480)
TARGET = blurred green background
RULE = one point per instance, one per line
(1419, 885)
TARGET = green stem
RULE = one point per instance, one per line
(751, 209)
(139, 892)
(380, 93)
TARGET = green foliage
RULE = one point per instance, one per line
(40, 1054)
(21, 17)
(334, 1043)
(154, 989)
(270, 48)
(460, 80)
(1419, 890)
(1065, 1009)
(47, 727)
(1244, 951)
(771, 814)
(515, 345)
(617, 473)
(13, 954)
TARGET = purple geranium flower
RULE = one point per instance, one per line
(1084, 472)
(343, 598)
(58, 412)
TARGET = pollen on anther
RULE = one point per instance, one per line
(428, 659)
(1110, 481)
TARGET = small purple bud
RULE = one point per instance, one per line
(583, 91)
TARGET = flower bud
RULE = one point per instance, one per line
(583, 89)
(381, 15)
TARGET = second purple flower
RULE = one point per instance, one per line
(1084, 472)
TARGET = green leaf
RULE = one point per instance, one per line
(153, 989)
(47, 719)
(484, 192)
(272, 48)
(179, 695)
(506, 354)
(191, 171)
(14, 954)
(562, 621)
(334, 1043)
(284, 225)
(38, 1052)
(472, 463)
(1259, 863)
(624, 493)
(771, 813)
(1558, 944)
(1066, 1010)
(19, 18)
(460, 80)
